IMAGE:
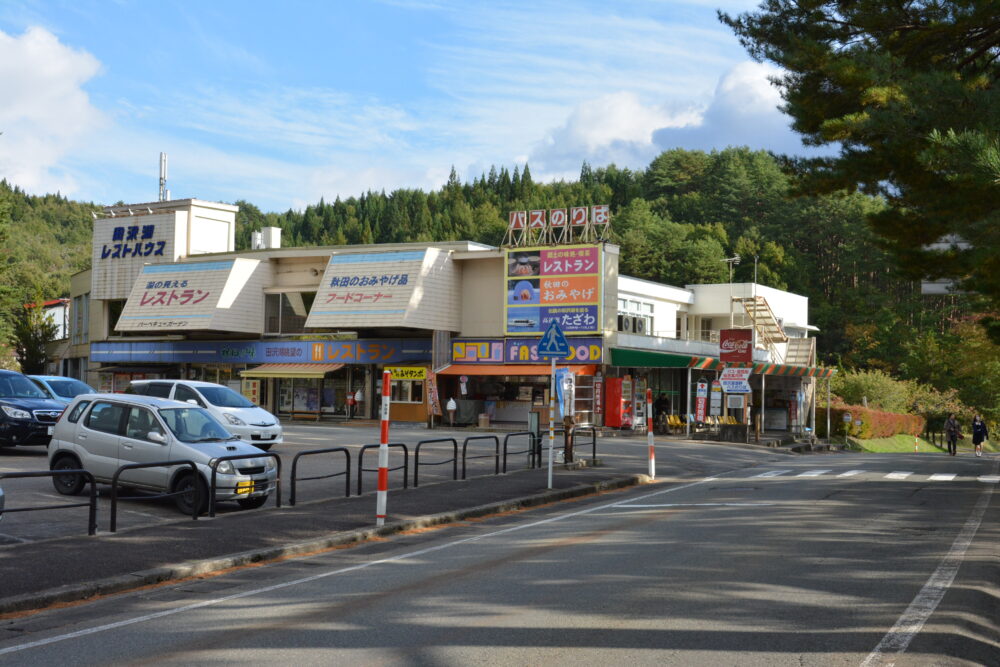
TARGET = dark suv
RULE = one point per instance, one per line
(26, 413)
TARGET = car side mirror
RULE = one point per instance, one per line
(156, 436)
(191, 401)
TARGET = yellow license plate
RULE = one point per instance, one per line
(244, 487)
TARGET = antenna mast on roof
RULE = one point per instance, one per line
(164, 193)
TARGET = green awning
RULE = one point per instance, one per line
(647, 359)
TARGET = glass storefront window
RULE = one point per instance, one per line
(406, 391)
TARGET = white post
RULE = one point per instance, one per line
(762, 376)
(649, 433)
(828, 434)
(552, 416)
(383, 453)
(687, 415)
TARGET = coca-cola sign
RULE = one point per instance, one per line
(736, 345)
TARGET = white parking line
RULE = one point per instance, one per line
(850, 473)
(990, 479)
(772, 473)
(898, 475)
(941, 477)
(812, 473)
(698, 505)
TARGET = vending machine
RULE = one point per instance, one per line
(618, 404)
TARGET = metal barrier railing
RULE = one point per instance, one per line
(593, 439)
(530, 451)
(453, 460)
(405, 467)
(332, 450)
(495, 456)
(158, 464)
(242, 457)
(92, 521)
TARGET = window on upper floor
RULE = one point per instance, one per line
(286, 313)
(640, 309)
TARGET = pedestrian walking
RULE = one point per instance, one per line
(979, 434)
(952, 433)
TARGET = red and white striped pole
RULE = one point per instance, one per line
(649, 433)
(383, 453)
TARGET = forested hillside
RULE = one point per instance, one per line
(676, 221)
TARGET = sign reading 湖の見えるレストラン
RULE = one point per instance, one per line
(553, 283)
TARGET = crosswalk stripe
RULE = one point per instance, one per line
(813, 473)
(898, 475)
(941, 477)
(990, 479)
(772, 473)
(850, 473)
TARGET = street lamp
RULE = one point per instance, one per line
(735, 259)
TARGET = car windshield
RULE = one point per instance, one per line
(18, 386)
(224, 397)
(194, 425)
(69, 388)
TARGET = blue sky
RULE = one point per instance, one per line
(283, 103)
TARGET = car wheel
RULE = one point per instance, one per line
(185, 488)
(252, 503)
(67, 485)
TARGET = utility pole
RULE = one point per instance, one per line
(735, 259)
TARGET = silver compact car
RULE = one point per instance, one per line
(100, 433)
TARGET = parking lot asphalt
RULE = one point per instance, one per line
(67, 569)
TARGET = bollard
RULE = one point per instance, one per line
(383, 453)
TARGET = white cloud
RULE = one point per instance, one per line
(612, 128)
(45, 111)
(743, 112)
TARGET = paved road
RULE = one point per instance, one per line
(34, 526)
(847, 559)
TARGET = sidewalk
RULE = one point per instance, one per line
(38, 574)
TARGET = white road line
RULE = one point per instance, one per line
(812, 473)
(850, 473)
(352, 568)
(898, 639)
(698, 505)
(772, 473)
(898, 475)
(990, 479)
(941, 477)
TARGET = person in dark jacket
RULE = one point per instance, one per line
(952, 433)
(979, 434)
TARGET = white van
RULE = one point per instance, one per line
(242, 418)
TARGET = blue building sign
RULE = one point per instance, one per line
(363, 351)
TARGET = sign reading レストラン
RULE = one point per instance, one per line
(559, 284)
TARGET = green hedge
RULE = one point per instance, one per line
(874, 423)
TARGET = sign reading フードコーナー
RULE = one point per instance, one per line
(553, 283)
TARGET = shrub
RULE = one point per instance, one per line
(882, 391)
(873, 423)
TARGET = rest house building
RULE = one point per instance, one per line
(307, 332)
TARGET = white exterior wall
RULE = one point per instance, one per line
(713, 301)
(667, 303)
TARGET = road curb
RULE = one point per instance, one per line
(134, 580)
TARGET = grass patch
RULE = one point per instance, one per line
(904, 444)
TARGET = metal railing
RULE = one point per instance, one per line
(495, 456)
(332, 450)
(242, 457)
(159, 464)
(531, 451)
(92, 503)
(405, 467)
(453, 460)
